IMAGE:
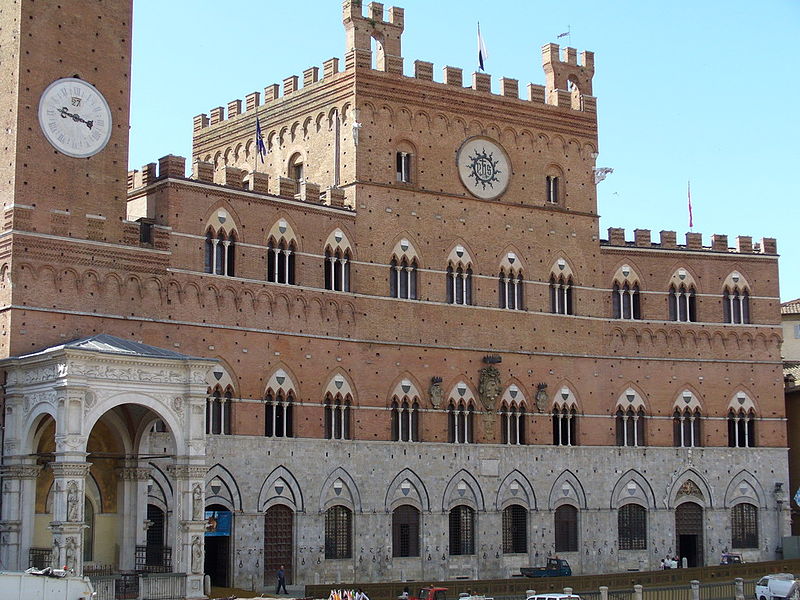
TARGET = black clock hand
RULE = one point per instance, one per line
(75, 117)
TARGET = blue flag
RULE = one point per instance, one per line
(260, 147)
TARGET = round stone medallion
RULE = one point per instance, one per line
(484, 167)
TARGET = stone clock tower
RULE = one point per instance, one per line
(43, 189)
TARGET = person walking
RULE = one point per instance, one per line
(281, 581)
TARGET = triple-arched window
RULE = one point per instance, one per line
(218, 410)
(682, 304)
(565, 419)
(337, 417)
(512, 423)
(405, 420)
(625, 301)
(686, 427)
(736, 305)
(511, 288)
(630, 426)
(403, 278)
(279, 414)
(460, 424)
(280, 261)
(220, 252)
(561, 295)
(459, 284)
(337, 270)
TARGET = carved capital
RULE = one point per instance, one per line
(65, 469)
(187, 471)
(20, 471)
(133, 473)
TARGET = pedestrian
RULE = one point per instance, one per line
(281, 581)
(360, 595)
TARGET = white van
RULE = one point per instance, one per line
(554, 596)
(777, 587)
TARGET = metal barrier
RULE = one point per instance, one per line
(104, 587)
(39, 557)
(676, 579)
(673, 592)
(153, 559)
(135, 586)
(163, 586)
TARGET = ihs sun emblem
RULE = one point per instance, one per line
(483, 169)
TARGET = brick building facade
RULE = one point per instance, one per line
(396, 347)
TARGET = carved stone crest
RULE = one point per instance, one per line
(436, 392)
(541, 397)
(489, 386)
(689, 488)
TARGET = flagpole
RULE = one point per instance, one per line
(257, 153)
(689, 196)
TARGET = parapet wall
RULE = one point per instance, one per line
(172, 166)
(694, 241)
(569, 82)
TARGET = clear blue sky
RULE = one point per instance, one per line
(705, 91)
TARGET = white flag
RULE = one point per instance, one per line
(482, 53)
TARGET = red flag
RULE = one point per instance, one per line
(689, 192)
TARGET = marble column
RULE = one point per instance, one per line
(133, 513)
(188, 553)
(69, 480)
(16, 519)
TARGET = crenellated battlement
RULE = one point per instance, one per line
(174, 167)
(569, 82)
(693, 241)
(568, 79)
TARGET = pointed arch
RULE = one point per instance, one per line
(567, 489)
(280, 487)
(229, 494)
(339, 488)
(407, 488)
(745, 487)
(515, 488)
(281, 381)
(632, 487)
(690, 486)
(462, 488)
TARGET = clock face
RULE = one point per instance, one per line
(484, 167)
(74, 117)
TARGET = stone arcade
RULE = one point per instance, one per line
(398, 349)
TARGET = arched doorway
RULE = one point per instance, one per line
(689, 533)
(219, 523)
(278, 543)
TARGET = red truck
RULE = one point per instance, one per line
(430, 593)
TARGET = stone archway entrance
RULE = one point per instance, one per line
(689, 533)
(101, 394)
